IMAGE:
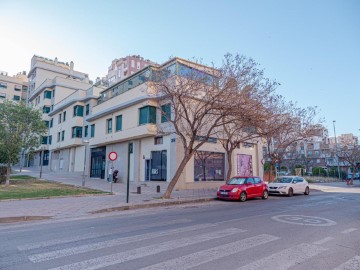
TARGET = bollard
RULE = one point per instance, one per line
(158, 189)
(139, 190)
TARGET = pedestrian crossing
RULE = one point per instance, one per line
(173, 249)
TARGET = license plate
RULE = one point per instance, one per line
(223, 193)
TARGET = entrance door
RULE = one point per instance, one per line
(98, 162)
(147, 169)
(158, 165)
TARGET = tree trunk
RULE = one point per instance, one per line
(7, 183)
(176, 177)
(229, 163)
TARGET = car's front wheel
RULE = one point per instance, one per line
(265, 195)
(290, 192)
(307, 191)
(243, 196)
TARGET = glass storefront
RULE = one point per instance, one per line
(209, 166)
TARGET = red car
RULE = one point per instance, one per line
(243, 187)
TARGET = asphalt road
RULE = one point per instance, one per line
(320, 231)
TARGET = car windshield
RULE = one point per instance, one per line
(236, 181)
(283, 180)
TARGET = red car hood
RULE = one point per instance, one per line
(230, 187)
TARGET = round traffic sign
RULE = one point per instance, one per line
(113, 156)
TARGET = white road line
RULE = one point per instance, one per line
(352, 264)
(349, 230)
(323, 241)
(286, 258)
(49, 243)
(110, 243)
(138, 253)
(205, 256)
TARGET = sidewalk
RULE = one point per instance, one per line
(340, 187)
(71, 207)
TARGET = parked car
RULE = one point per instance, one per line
(289, 185)
(283, 173)
(356, 176)
(242, 188)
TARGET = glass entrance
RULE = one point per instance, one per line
(158, 165)
(98, 162)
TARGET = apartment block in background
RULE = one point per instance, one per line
(126, 66)
(13, 87)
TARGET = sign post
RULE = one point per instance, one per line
(112, 156)
(130, 150)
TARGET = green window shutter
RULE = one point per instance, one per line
(166, 113)
(152, 114)
(80, 110)
(118, 122)
(143, 115)
(92, 131)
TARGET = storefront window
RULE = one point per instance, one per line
(209, 166)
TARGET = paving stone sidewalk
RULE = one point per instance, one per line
(71, 207)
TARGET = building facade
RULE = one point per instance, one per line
(126, 66)
(13, 87)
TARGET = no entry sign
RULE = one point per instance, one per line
(113, 156)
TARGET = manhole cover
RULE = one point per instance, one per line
(304, 220)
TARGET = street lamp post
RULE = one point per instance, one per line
(41, 160)
(83, 179)
(336, 150)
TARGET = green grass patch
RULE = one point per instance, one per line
(24, 187)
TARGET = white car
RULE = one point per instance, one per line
(289, 185)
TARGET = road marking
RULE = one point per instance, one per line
(111, 243)
(352, 264)
(49, 243)
(323, 241)
(205, 256)
(286, 258)
(349, 230)
(304, 220)
(138, 253)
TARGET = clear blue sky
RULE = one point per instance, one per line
(311, 47)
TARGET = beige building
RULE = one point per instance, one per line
(126, 119)
(51, 82)
(13, 87)
(125, 67)
(348, 140)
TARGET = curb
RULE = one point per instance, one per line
(150, 205)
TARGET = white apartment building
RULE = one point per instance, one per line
(126, 66)
(125, 120)
(50, 82)
(13, 87)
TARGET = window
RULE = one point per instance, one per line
(257, 180)
(17, 87)
(46, 123)
(53, 93)
(3, 85)
(51, 122)
(58, 136)
(47, 94)
(2, 95)
(132, 63)
(50, 139)
(138, 65)
(109, 125)
(158, 140)
(46, 109)
(118, 122)
(59, 121)
(64, 116)
(17, 98)
(250, 180)
(76, 132)
(87, 109)
(165, 113)
(86, 131)
(209, 166)
(147, 115)
(92, 131)
(24, 88)
(44, 139)
(78, 110)
(62, 135)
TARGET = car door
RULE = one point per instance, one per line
(258, 186)
(250, 187)
(298, 185)
(301, 184)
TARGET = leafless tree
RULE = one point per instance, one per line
(351, 155)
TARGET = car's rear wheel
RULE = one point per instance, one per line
(307, 191)
(290, 192)
(265, 195)
(243, 196)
